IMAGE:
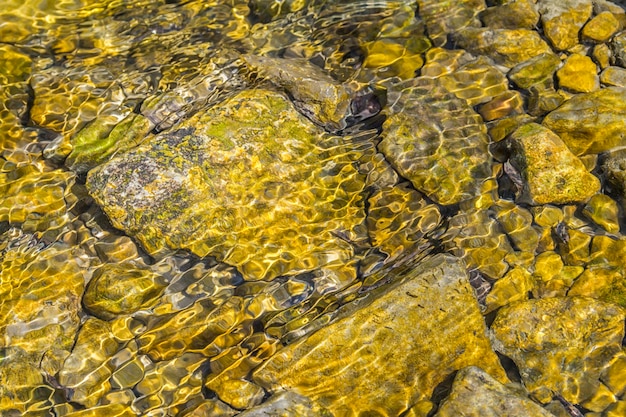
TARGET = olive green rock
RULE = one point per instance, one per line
(591, 122)
(507, 47)
(615, 169)
(117, 289)
(341, 362)
(437, 141)
(475, 393)
(563, 19)
(552, 174)
(561, 344)
(603, 211)
(251, 182)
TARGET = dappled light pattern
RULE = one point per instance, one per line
(289, 201)
(312, 208)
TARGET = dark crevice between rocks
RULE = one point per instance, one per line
(511, 369)
(441, 392)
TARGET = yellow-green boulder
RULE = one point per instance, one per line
(591, 122)
(552, 174)
(431, 309)
(560, 345)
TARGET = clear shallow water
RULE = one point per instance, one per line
(164, 308)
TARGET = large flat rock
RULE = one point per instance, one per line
(388, 351)
(250, 182)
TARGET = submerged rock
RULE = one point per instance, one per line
(560, 345)
(592, 122)
(342, 361)
(563, 19)
(536, 70)
(251, 182)
(314, 93)
(513, 14)
(437, 141)
(552, 174)
(123, 288)
(443, 18)
(507, 47)
(579, 74)
(475, 393)
(287, 404)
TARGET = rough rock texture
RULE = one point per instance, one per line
(592, 122)
(615, 169)
(436, 141)
(515, 14)
(343, 361)
(613, 76)
(552, 174)
(507, 47)
(251, 182)
(601, 27)
(476, 394)
(579, 74)
(535, 70)
(562, 19)
(560, 344)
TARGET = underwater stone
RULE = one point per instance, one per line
(615, 168)
(591, 122)
(16, 66)
(603, 211)
(251, 182)
(437, 141)
(552, 174)
(601, 54)
(613, 76)
(535, 70)
(515, 14)
(443, 18)
(117, 289)
(601, 27)
(602, 282)
(475, 393)
(399, 220)
(314, 93)
(507, 47)
(238, 393)
(341, 361)
(579, 74)
(562, 19)
(40, 288)
(514, 286)
(560, 344)
(287, 404)
(86, 371)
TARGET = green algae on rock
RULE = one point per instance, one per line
(437, 141)
(341, 361)
(560, 345)
(475, 393)
(552, 174)
(591, 122)
(233, 183)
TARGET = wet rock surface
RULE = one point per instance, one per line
(312, 208)
(533, 334)
(341, 361)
